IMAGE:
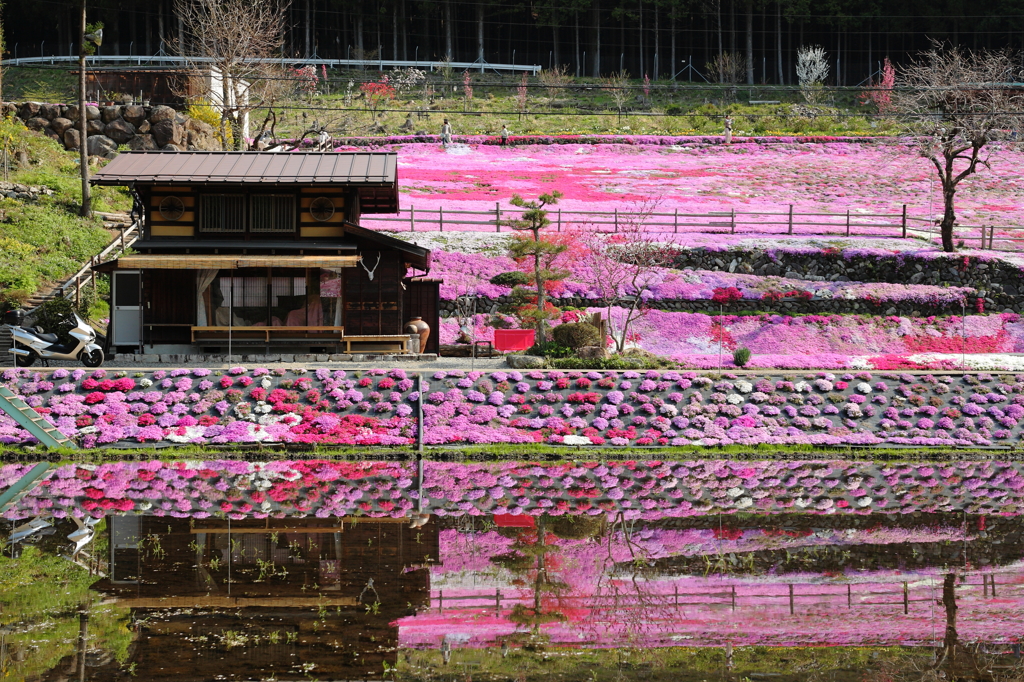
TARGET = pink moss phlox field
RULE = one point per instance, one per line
(826, 177)
(649, 490)
(465, 273)
(99, 407)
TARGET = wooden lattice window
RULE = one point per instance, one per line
(272, 213)
(223, 213)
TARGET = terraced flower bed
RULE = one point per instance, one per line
(378, 407)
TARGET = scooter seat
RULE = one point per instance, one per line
(49, 338)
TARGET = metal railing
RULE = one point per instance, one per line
(379, 64)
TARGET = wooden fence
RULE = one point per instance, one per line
(900, 594)
(787, 222)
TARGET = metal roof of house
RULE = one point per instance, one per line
(299, 168)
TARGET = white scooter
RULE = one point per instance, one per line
(33, 344)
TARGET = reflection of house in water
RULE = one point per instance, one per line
(281, 598)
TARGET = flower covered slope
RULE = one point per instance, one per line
(650, 490)
(828, 176)
(378, 407)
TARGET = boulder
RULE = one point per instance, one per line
(37, 123)
(592, 352)
(134, 114)
(525, 361)
(161, 113)
(144, 128)
(71, 112)
(94, 127)
(71, 138)
(29, 110)
(108, 114)
(170, 148)
(60, 124)
(167, 132)
(143, 143)
(92, 113)
(100, 145)
(120, 131)
(201, 135)
(48, 111)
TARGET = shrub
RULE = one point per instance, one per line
(574, 527)
(511, 279)
(741, 356)
(576, 335)
(614, 362)
(55, 317)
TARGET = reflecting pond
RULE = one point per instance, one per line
(421, 592)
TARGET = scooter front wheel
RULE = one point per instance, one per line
(93, 358)
(25, 360)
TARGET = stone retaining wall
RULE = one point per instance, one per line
(788, 306)
(139, 127)
(998, 282)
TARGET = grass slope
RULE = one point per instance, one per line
(44, 241)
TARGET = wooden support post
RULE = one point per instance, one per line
(791, 599)
(984, 585)
(906, 599)
(847, 222)
(732, 220)
(849, 596)
(675, 222)
(440, 601)
(791, 219)
(94, 261)
(616, 219)
(497, 604)
(675, 589)
(440, 218)
(733, 597)
(559, 220)
(497, 216)
(412, 218)
(78, 291)
(904, 221)
(992, 582)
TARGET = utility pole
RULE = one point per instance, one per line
(83, 125)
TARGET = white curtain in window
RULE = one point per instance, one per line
(333, 291)
(204, 278)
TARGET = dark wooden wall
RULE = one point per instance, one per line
(374, 306)
(168, 299)
(423, 298)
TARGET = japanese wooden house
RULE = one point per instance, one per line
(255, 252)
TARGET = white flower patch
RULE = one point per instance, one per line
(744, 386)
(744, 502)
(668, 483)
(853, 410)
(262, 408)
(669, 410)
(864, 502)
(191, 433)
(145, 382)
(802, 502)
(144, 505)
(758, 397)
(734, 492)
(265, 382)
(863, 387)
(577, 440)
(85, 430)
(853, 482)
(734, 399)
(802, 387)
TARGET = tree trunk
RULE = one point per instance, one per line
(307, 41)
(360, 53)
(750, 42)
(640, 31)
(948, 216)
(394, 34)
(657, 45)
(403, 23)
(556, 58)
(595, 37)
(480, 34)
(83, 638)
(576, 40)
(949, 639)
(447, 29)
(672, 51)
(83, 129)
(778, 42)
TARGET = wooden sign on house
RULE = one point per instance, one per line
(262, 252)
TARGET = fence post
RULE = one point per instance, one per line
(78, 291)
(412, 218)
(906, 600)
(791, 599)
(791, 219)
(992, 582)
(497, 216)
(440, 218)
(675, 222)
(847, 222)
(497, 604)
(849, 596)
(616, 219)
(984, 585)
(732, 220)
(93, 262)
(733, 597)
(440, 601)
(904, 221)
(559, 220)
(675, 589)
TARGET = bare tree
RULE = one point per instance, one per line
(625, 265)
(229, 45)
(728, 68)
(957, 101)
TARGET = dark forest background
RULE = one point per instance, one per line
(658, 38)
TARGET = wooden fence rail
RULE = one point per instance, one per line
(729, 597)
(787, 222)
